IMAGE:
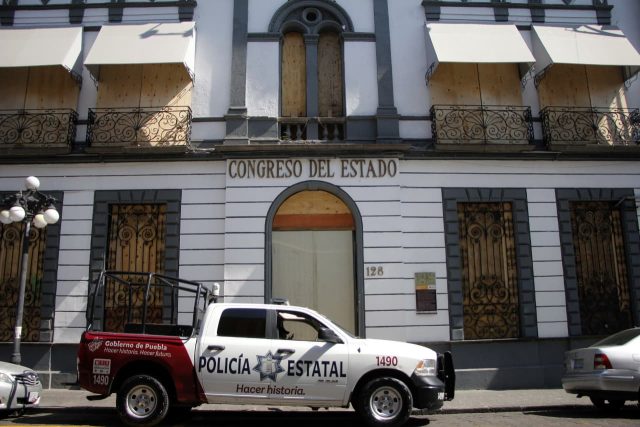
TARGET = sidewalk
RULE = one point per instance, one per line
(465, 401)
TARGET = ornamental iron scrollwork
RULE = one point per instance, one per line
(603, 289)
(139, 127)
(11, 242)
(136, 243)
(490, 289)
(39, 128)
(486, 124)
(591, 126)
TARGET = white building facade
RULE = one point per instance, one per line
(459, 174)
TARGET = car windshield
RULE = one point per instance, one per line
(620, 338)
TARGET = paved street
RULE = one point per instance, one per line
(565, 416)
(520, 408)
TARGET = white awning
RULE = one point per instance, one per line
(476, 43)
(159, 43)
(35, 47)
(583, 45)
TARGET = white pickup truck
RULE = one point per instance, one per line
(259, 354)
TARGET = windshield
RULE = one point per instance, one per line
(620, 338)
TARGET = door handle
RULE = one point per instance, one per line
(286, 351)
(214, 347)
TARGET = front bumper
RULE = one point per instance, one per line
(429, 393)
(19, 396)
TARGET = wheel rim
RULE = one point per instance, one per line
(385, 403)
(141, 401)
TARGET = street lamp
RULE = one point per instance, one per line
(30, 206)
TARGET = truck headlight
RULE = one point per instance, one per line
(6, 378)
(426, 367)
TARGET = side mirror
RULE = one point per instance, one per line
(328, 335)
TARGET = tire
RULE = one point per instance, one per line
(142, 401)
(607, 404)
(384, 401)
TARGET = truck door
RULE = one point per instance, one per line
(229, 355)
(312, 369)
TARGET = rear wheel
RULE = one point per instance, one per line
(607, 404)
(384, 402)
(142, 401)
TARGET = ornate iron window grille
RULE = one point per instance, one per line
(481, 124)
(38, 127)
(585, 126)
(330, 129)
(139, 127)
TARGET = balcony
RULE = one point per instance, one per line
(37, 131)
(297, 129)
(482, 126)
(118, 129)
(575, 127)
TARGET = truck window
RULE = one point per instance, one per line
(243, 323)
(297, 326)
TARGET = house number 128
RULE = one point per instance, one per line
(375, 271)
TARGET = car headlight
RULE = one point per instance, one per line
(426, 367)
(6, 378)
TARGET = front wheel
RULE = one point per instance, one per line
(607, 404)
(142, 401)
(385, 402)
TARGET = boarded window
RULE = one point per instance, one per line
(490, 290)
(603, 289)
(330, 92)
(294, 76)
(10, 254)
(136, 243)
(149, 85)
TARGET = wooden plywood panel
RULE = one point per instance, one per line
(313, 202)
(13, 83)
(165, 85)
(330, 88)
(294, 76)
(564, 86)
(606, 87)
(119, 86)
(51, 87)
(455, 84)
(500, 84)
(313, 210)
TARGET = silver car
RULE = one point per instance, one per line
(20, 388)
(608, 372)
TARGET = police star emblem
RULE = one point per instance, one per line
(269, 366)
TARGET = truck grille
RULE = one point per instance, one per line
(28, 378)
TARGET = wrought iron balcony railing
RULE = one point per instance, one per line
(139, 127)
(590, 126)
(38, 128)
(312, 128)
(481, 124)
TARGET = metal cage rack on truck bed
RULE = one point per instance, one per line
(146, 303)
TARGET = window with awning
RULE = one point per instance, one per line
(475, 87)
(465, 68)
(39, 67)
(144, 74)
(583, 66)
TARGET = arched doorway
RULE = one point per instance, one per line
(313, 252)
